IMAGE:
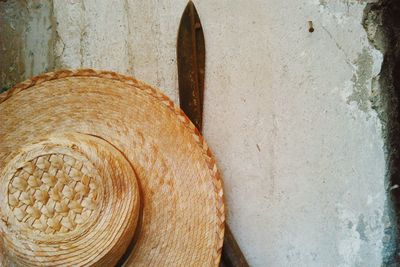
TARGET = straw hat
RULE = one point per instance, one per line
(101, 169)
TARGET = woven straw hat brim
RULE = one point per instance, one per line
(182, 220)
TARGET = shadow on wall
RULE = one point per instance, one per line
(386, 37)
(27, 39)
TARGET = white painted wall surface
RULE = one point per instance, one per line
(287, 112)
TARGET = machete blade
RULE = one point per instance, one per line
(191, 55)
(191, 65)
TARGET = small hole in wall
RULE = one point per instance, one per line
(310, 26)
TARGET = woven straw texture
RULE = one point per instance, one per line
(95, 165)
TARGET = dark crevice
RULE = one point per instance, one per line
(382, 23)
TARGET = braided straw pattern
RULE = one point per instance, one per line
(64, 197)
(183, 209)
(52, 194)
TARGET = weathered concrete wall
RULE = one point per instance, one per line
(26, 40)
(287, 112)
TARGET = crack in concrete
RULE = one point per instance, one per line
(128, 44)
(82, 37)
(346, 57)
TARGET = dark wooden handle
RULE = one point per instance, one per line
(232, 256)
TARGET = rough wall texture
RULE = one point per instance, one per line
(382, 22)
(26, 30)
(287, 112)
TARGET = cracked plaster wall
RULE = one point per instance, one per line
(287, 112)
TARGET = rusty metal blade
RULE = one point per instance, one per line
(191, 70)
(191, 65)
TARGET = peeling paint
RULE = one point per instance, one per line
(361, 228)
(361, 80)
(323, 2)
